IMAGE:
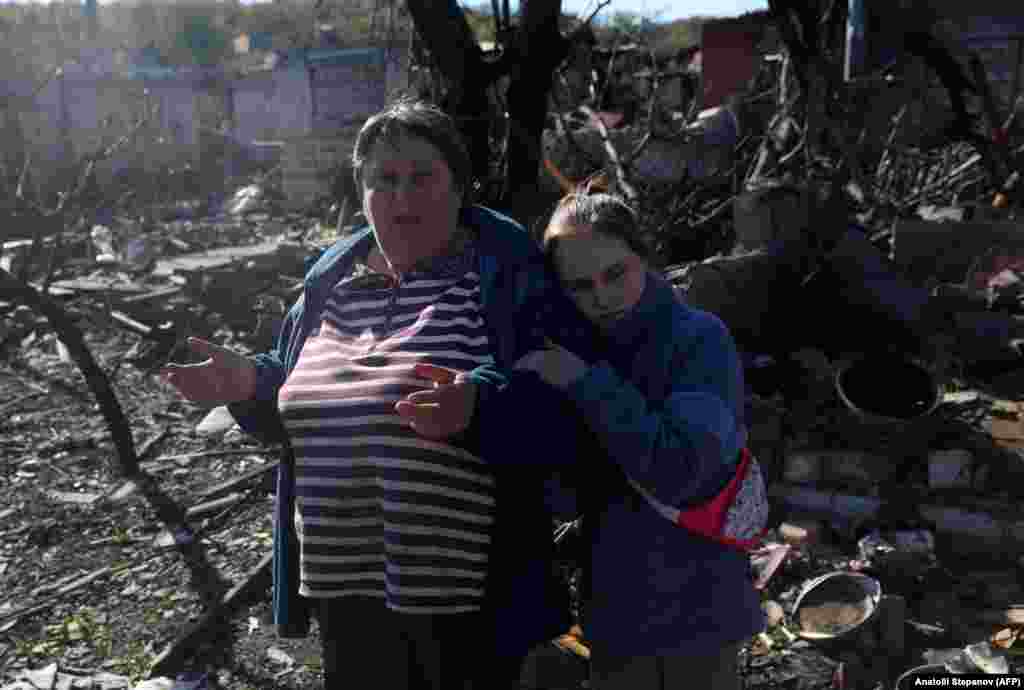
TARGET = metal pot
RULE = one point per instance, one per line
(903, 390)
(832, 608)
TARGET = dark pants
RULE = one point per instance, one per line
(366, 646)
(667, 672)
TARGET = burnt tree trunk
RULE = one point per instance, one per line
(536, 48)
(443, 29)
(99, 384)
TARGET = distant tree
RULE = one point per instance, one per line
(8, 18)
(289, 24)
(531, 49)
(672, 37)
(624, 24)
(686, 33)
(481, 22)
(198, 40)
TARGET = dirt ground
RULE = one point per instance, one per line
(91, 581)
(94, 585)
(60, 523)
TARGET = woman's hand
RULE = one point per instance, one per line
(224, 377)
(444, 411)
(556, 366)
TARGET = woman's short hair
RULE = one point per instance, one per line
(410, 117)
(604, 213)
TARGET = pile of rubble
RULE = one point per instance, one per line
(179, 268)
(864, 612)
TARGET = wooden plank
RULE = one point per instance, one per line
(215, 258)
(170, 661)
(189, 457)
(232, 484)
(51, 599)
(130, 323)
(214, 505)
(98, 285)
(11, 404)
(75, 497)
(155, 294)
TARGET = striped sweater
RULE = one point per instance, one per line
(380, 511)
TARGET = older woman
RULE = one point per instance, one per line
(409, 544)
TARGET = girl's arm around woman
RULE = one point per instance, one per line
(680, 449)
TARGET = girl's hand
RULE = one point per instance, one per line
(556, 366)
(444, 411)
(224, 377)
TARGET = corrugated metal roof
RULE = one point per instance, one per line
(346, 56)
(336, 56)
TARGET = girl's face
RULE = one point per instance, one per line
(601, 274)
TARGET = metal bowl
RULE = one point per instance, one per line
(834, 606)
(926, 670)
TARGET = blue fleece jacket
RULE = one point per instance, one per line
(661, 401)
(527, 604)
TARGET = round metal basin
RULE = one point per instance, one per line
(833, 607)
(887, 390)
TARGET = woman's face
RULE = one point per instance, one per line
(601, 274)
(410, 199)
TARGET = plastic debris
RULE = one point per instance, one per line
(63, 354)
(38, 679)
(155, 684)
(110, 681)
(103, 240)
(183, 681)
(179, 537)
(766, 560)
(981, 657)
(248, 199)
(217, 421)
(279, 656)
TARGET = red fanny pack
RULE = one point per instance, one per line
(737, 517)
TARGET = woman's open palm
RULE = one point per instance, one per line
(224, 377)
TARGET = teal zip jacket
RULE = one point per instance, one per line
(662, 402)
(518, 299)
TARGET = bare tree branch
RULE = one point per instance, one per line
(621, 182)
(97, 381)
(600, 6)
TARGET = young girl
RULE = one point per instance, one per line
(659, 395)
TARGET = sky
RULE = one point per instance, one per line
(668, 10)
(657, 10)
